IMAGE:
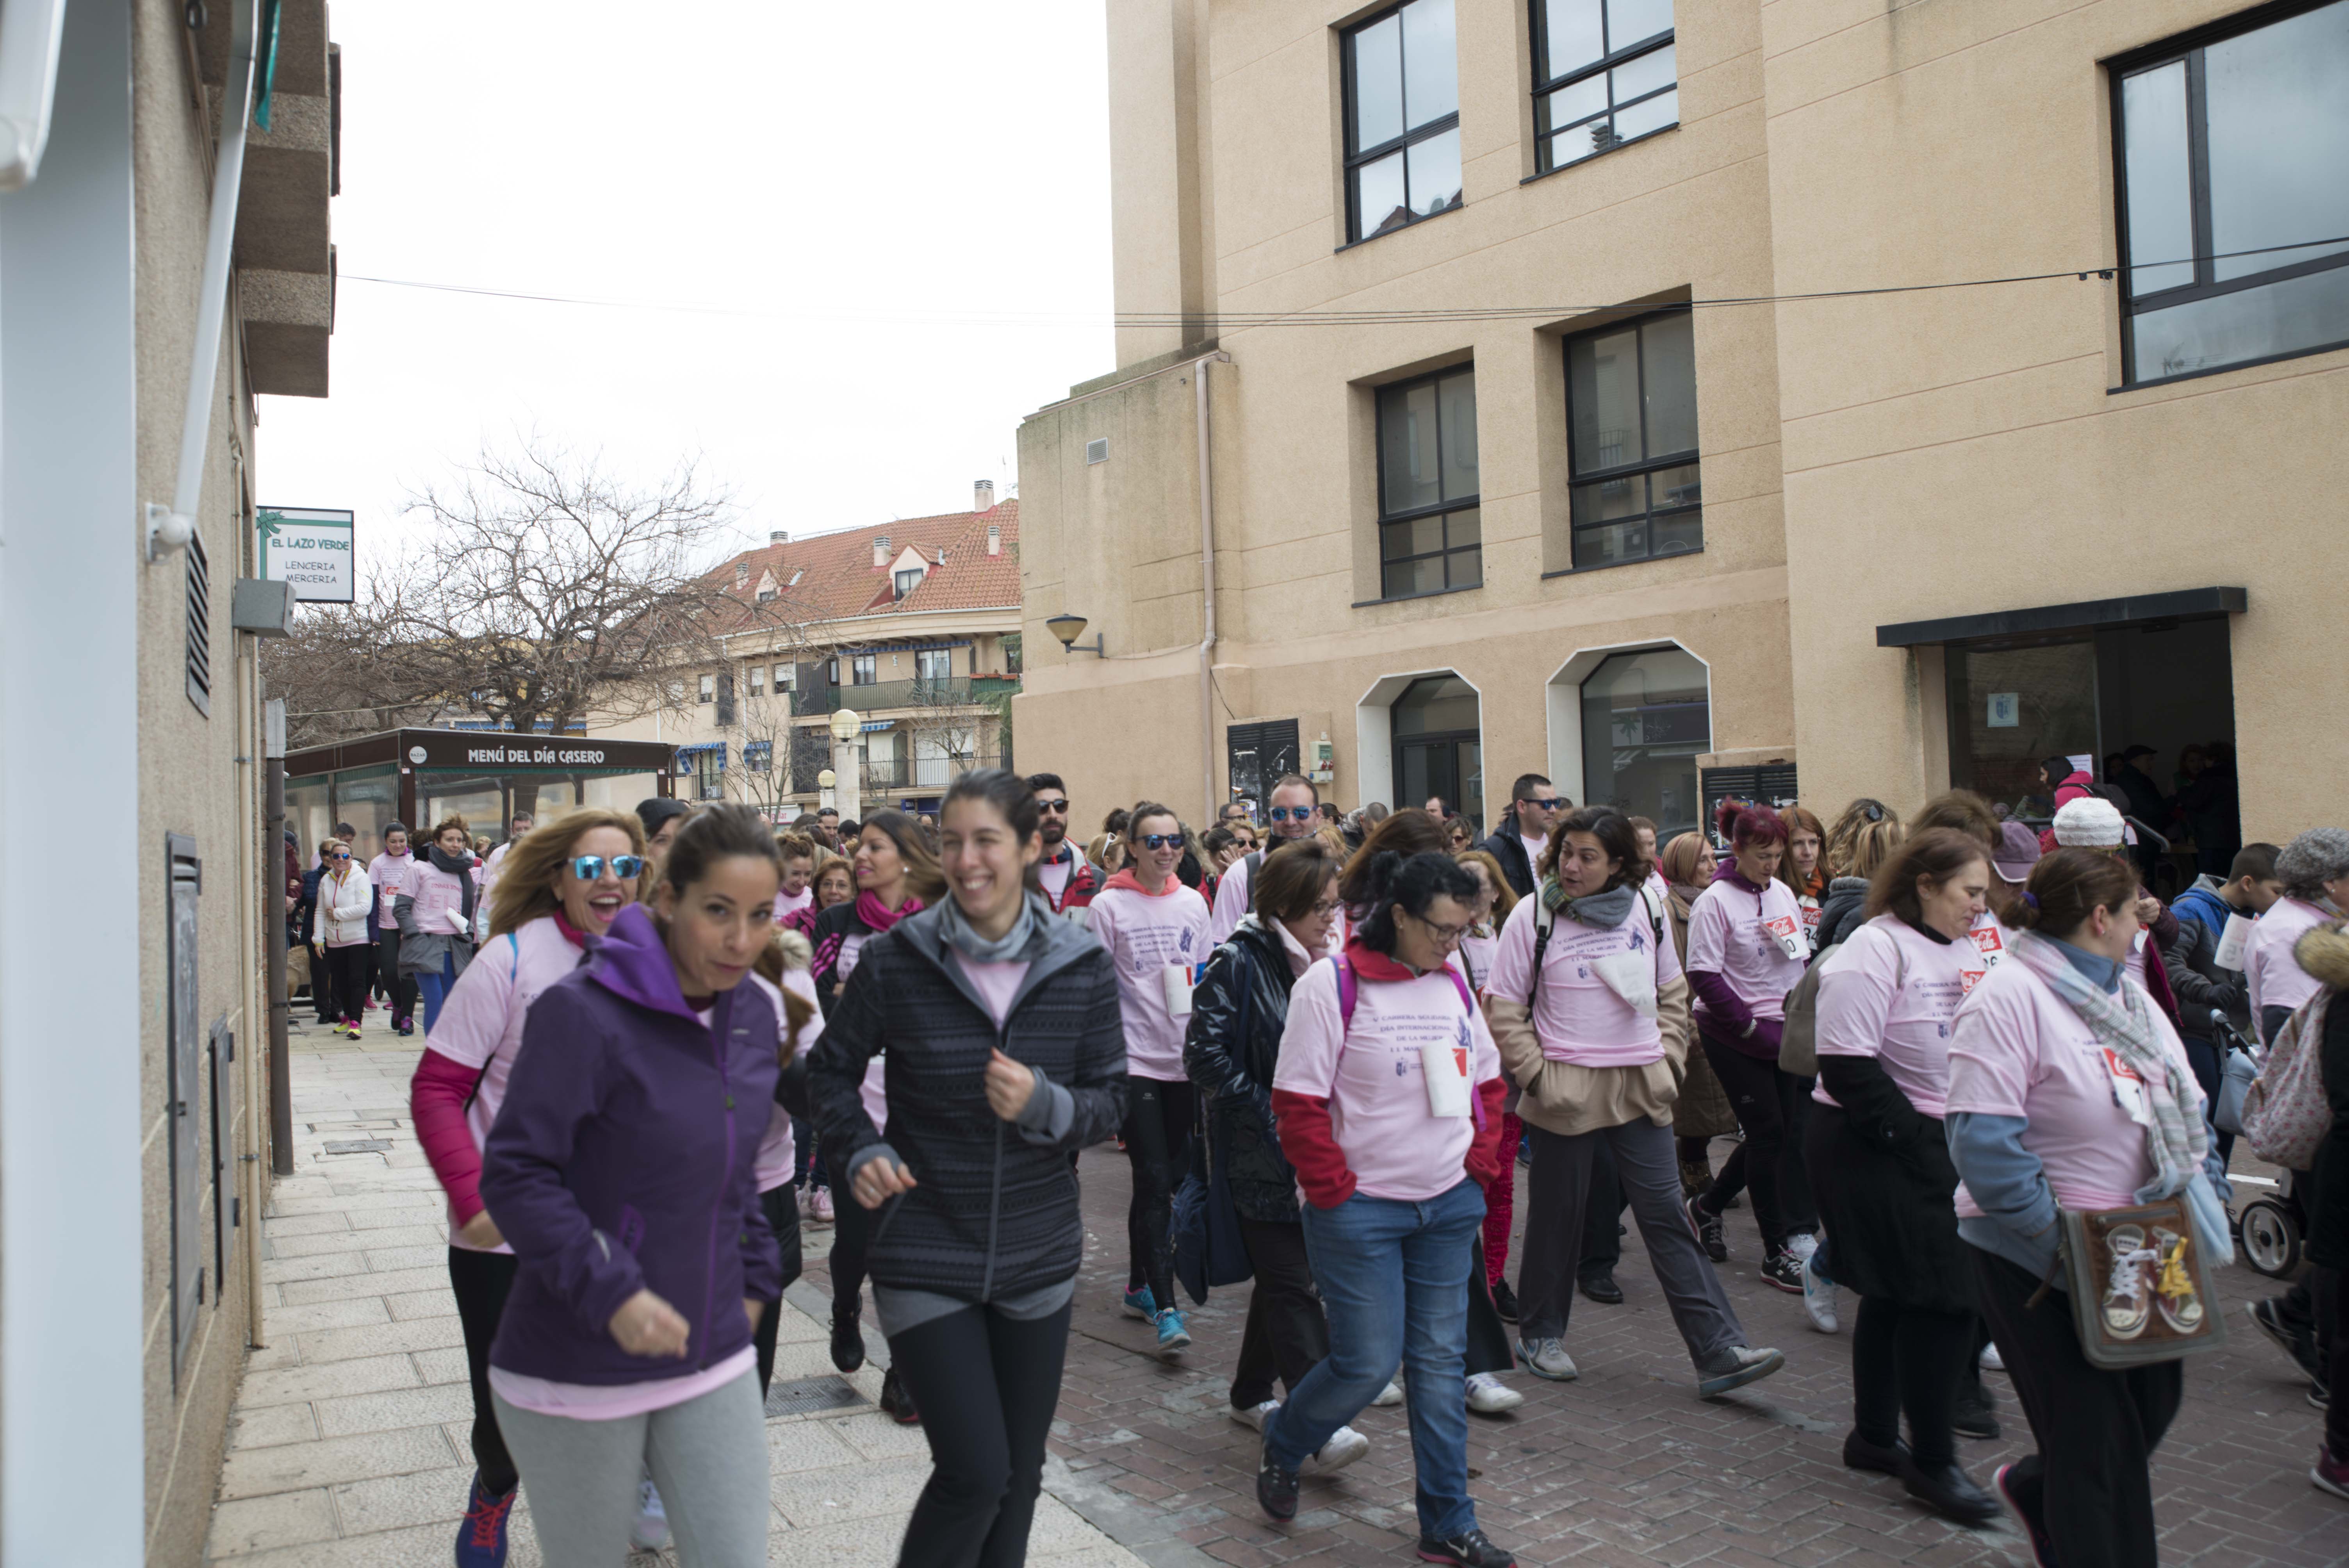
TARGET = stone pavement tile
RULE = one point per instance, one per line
(848, 1544)
(409, 1306)
(275, 1353)
(397, 1281)
(885, 1487)
(323, 1265)
(377, 1340)
(396, 1501)
(260, 1523)
(277, 1225)
(386, 1257)
(270, 1426)
(400, 1407)
(421, 1546)
(278, 1321)
(251, 1472)
(874, 1436)
(443, 1366)
(295, 1385)
(805, 1445)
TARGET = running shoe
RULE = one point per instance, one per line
(1254, 1416)
(1139, 1304)
(1389, 1395)
(1733, 1368)
(406, 1026)
(2319, 1397)
(369, 1005)
(2291, 1338)
(1548, 1358)
(1818, 1296)
(650, 1531)
(1601, 1288)
(2330, 1474)
(1470, 1550)
(1172, 1337)
(481, 1534)
(1859, 1454)
(896, 1402)
(351, 1027)
(1708, 1231)
(2035, 1534)
(1275, 1489)
(1784, 1271)
(1989, 1360)
(848, 1339)
(1488, 1396)
(1505, 1301)
(820, 1209)
(1344, 1447)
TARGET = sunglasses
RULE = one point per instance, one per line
(1060, 807)
(340, 855)
(1162, 841)
(1298, 814)
(589, 868)
(1545, 805)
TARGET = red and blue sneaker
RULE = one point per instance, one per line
(481, 1534)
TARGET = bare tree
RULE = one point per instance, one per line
(343, 673)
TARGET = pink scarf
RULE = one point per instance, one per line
(878, 917)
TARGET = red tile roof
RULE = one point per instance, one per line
(838, 578)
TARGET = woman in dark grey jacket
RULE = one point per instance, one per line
(1004, 1050)
(1229, 1048)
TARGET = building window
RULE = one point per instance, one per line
(786, 678)
(708, 692)
(1403, 120)
(1430, 535)
(2232, 156)
(1604, 74)
(757, 679)
(725, 715)
(768, 595)
(908, 580)
(1631, 398)
(933, 666)
(860, 670)
(759, 756)
(709, 773)
(1646, 718)
(1013, 655)
(1439, 743)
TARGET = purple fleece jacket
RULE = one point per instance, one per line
(623, 1160)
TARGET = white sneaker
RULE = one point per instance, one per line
(1488, 1396)
(1801, 1243)
(1818, 1298)
(1255, 1415)
(1989, 1360)
(1548, 1358)
(650, 1531)
(1344, 1447)
(1388, 1396)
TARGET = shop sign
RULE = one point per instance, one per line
(310, 549)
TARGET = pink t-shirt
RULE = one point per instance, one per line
(1146, 935)
(777, 1154)
(388, 872)
(1579, 1016)
(1233, 902)
(480, 1026)
(1476, 955)
(791, 903)
(1733, 933)
(1054, 876)
(996, 984)
(2271, 969)
(2016, 1048)
(1889, 992)
(615, 1401)
(1371, 1076)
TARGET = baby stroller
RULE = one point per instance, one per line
(2268, 1229)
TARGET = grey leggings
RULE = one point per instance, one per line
(708, 1457)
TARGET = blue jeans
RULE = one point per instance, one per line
(1394, 1284)
(433, 987)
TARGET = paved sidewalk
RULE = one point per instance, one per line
(349, 1447)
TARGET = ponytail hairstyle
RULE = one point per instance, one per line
(1935, 855)
(1013, 797)
(1862, 839)
(1615, 834)
(2067, 886)
(1410, 884)
(924, 880)
(1400, 835)
(1742, 823)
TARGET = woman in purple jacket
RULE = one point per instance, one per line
(621, 1170)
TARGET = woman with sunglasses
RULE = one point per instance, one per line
(561, 885)
(1155, 931)
(344, 896)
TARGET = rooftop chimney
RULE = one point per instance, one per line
(778, 536)
(982, 496)
(880, 550)
(994, 539)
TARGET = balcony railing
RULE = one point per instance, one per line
(956, 691)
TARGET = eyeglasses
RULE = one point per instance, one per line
(1059, 807)
(590, 867)
(1162, 841)
(1325, 909)
(1545, 805)
(1446, 935)
(1289, 814)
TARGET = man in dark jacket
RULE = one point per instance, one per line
(2191, 960)
(1069, 880)
(1534, 810)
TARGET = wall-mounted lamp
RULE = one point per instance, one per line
(1068, 628)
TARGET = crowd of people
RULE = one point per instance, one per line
(661, 1044)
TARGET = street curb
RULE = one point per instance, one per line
(1148, 1536)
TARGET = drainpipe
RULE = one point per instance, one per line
(1207, 590)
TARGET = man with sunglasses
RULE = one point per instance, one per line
(1517, 843)
(1070, 881)
(1295, 813)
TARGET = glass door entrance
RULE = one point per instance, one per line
(1438, 748)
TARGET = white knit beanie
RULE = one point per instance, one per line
(2088, 823)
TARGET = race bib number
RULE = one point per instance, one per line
(1445, 1066)
(1176, 980)
(2129, 1088)
(1990, 943)
(2231, 943)
(1787, 932)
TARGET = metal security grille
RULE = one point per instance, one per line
(811, 1395)
(1257, 755)
(1771, 784)
(200, 627)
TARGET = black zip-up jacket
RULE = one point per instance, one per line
(1503, 845)
(994, 1210)
(1249, 973)
(1842, 912)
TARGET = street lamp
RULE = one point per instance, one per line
(1068, 628)
(823, 782)
(848, 788)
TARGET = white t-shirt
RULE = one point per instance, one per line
(2016, 1048)
(1145, 935)
(2271, 971)
(791, 903)
(1738, 936)
(1372, 1077)
(1054, 876)
(1890, 992)
(1579, 1017)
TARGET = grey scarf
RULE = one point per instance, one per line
(958, 934)
(1606, 911)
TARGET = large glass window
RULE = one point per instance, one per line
(1430, 532)
(1605, 73)
(2011, 710)
(1646, 718)
(1438, 744)
(2232, 154)
(1630, 396)
(1402, 118)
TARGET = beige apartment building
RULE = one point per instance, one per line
(1577, 386)
(913, 626)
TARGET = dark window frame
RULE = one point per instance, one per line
(1546, 82)
(864, 670)
(1355, 157)
(2188, 47)
(1439, 509)
(1576, 480)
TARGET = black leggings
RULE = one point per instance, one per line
(1158, 1116)
(986, 1386)
(350, 968)
(780, 1205)
(480, 1281)
(852, 1232)
(1770, 1109)
(1909, 1358)
(398, 988)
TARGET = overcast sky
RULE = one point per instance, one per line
(862, 174)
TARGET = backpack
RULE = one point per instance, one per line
(1798, 1036)
(1545, 920)
(2285, 1114)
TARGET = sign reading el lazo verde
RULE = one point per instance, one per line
(311, 548)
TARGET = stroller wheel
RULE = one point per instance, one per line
(2271, 1237)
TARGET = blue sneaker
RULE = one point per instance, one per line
(481, 1534)
(1139, 1304)
(1172, 1336)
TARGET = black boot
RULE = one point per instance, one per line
(896, 1400)
(1949, 1491)
(1859, 1454)
(847, 1339)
